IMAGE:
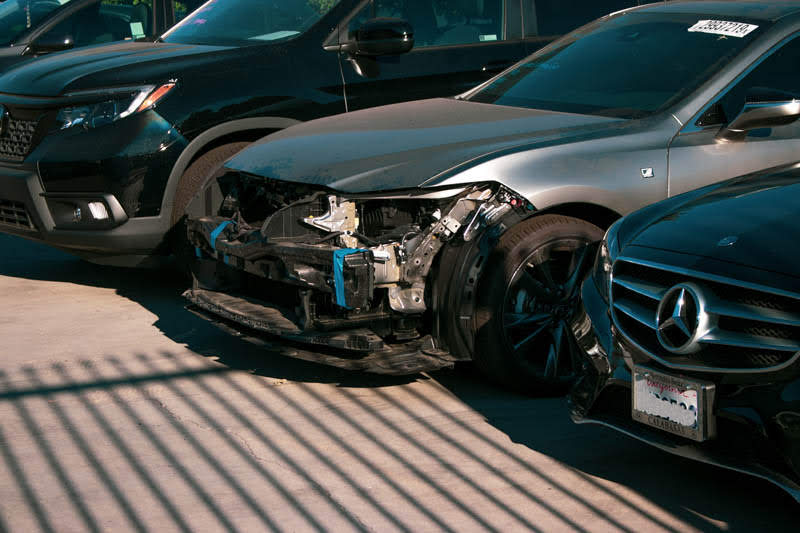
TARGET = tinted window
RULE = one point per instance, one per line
(557, 17)
(19, 16)
(776, 78)
(247, 22)
(104, 22)
(440, 22)
(630, 66)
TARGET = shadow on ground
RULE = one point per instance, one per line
(704, 496)
(159, 291)
(428, 436)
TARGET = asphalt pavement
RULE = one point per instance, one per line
(121, 411)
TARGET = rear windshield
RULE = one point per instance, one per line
(629, 66)
(247, 22)
(19, 16)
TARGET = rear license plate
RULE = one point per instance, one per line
(675, 404)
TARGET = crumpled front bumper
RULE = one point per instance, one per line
(226, 252)
(758, 426)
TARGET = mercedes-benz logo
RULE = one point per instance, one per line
(681, 319)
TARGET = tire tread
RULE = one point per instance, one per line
(514, 246)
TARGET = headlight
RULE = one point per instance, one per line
(118, 103)
(605, 258)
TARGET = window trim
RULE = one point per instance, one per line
(691, 125)
(338, 37)
(76, 6)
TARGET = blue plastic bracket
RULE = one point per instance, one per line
(338, 273)
(217, 232)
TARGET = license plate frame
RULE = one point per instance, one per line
(675, 404)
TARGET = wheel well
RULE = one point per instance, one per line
(600, 216)
(237, 136)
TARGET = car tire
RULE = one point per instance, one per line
(526, 299)
(196, 174)
(192, 180)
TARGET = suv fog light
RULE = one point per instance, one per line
(98, 210)
(79, 211)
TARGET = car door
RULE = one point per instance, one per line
(457, 45)
(698, 156)
(98, 22)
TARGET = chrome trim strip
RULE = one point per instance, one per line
(707, 369)
(650, 290)
(752, 312)
(742, 340)
(637, 312)
(710, 277)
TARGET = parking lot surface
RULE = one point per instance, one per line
(121, 411)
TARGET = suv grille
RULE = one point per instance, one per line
(16, 140)
(749, 328)
(14, 214)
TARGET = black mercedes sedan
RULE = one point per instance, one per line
(690, 332)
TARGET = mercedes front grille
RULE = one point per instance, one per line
(691, 320)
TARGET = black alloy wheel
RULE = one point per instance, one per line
(527, 299)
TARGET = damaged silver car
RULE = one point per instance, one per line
(407, 237)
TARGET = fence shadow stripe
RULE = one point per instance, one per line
(27, 491)
(126, 451)
(52, 460)
(90, 457)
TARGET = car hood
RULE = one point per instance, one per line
(10, 56)
(104, 66)
(407, 145)
(750, 221)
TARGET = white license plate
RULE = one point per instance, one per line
(673, 403)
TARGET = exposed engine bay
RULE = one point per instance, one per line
(346, 273)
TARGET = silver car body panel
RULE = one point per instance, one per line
(549, 157)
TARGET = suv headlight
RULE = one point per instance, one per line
(606, 255)
(118, 103)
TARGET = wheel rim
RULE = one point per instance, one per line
(538, 305)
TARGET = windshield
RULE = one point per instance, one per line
(19, 16)
(630, 66)
(247, 22)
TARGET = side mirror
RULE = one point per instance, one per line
(49, 44)
(384, 36)
(755, 115)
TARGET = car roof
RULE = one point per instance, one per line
(766, 11)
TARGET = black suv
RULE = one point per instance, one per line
(29, 28)
(102, 149)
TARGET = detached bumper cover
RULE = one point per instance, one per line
(356, 349)
(758, 431)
